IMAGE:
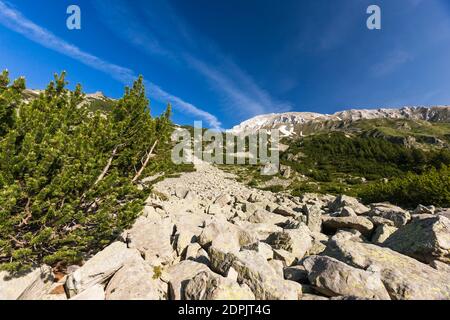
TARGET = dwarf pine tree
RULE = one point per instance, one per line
(9, 99)
(68, 175)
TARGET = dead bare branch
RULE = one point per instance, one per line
(149, 155)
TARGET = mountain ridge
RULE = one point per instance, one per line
(291, 123)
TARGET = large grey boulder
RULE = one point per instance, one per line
(266, 284)
(346, 201)
(13, 286)
(262, 248)
(152, 237)
(95, 292)
(382, 233)
(335, 278)
(255, 271)
(313, 297)
(221, 259)
(136, 281)
(441, 266)
(388, 211)
(285, 211)
(225, 235)
(260, 230)
(444, 213)
(188, 228)
(319, 241)
(41, 285)
(177, 276)
(347, 212)
(379, 221)
(332, 224)
(209, 286)
(100, 267)
(423, 239)
(286, 258)
(295, 241)
(348, 234)
(403, 277)
(264, 216)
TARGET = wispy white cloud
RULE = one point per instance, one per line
(125, 24)
(184, 106)
(237, 88)
(14, 20)
(391, 62)
(239, 92)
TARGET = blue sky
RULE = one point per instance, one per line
(225, 61)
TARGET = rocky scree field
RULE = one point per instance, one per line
(205, 236)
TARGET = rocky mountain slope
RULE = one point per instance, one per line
(352, 151)
(203, 235)
(94, 101)
(299, 123)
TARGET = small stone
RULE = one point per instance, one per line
(424, 210)
(347, 212)
(314, 217)
(181, 192)
(223, 200)
(296, 273)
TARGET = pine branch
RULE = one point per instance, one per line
(108, 165)
(25, 220)
(17, 243)
(149, 155)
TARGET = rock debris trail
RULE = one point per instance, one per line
(205, 236)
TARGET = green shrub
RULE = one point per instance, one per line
(67, 174)
(428, 188)
(325, 155)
